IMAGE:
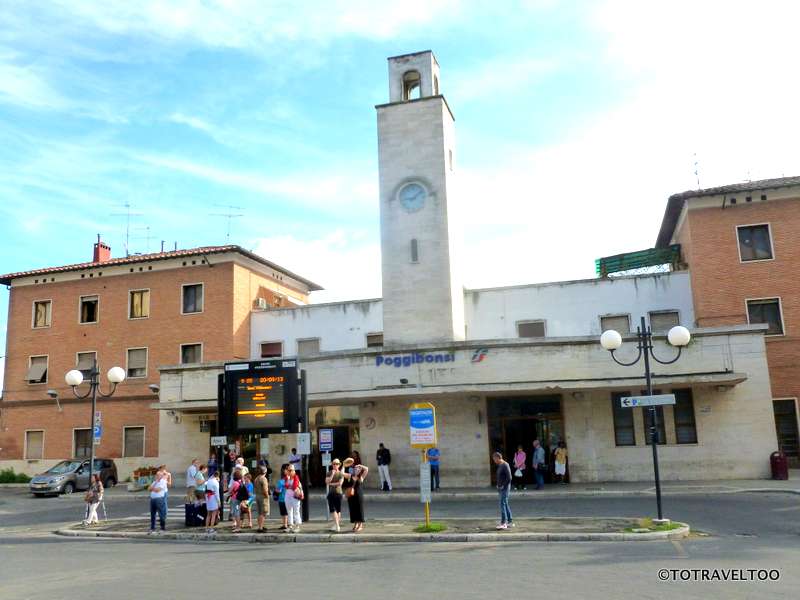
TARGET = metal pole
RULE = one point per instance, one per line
(94, 383)
(305, 502)
(645, 343)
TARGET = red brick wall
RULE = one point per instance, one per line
(162, 333)
(721, 282)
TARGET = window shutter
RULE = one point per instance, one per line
(306, 347)
(620, 324)
(137, 359)
(37, 370)
(85, 361)
(662, 322)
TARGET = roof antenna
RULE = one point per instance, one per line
(696, 170)
(230, 215)
(176, 246)
(162, 245)
(127, 214)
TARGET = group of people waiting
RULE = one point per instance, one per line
(538, 465)
(246, 494)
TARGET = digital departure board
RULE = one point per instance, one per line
(259, 397)
(260, 402)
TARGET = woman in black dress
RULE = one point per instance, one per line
(354, 476)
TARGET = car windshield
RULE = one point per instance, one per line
(65, 466)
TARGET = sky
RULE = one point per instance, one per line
(575, 121)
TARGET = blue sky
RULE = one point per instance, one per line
(575, 121)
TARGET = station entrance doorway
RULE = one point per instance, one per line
(517, 421)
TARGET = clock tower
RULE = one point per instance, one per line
(423, 298)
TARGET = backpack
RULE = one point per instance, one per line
(242, 495)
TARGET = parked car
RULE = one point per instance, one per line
(71, 475)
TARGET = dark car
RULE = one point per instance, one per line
(71, 475)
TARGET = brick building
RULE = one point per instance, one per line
(740, 243)
(137, 312)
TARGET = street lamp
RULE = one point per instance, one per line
(679, 337)
(74, 378)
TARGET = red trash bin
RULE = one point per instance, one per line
(779, 465)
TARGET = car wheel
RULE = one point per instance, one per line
(110, 482)
(69, 487)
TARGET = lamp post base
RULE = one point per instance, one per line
(661, 522)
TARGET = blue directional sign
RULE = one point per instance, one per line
(98, 433)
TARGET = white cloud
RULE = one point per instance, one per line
(24, 87)
(253, 24)
(346, 263)
(504, 74)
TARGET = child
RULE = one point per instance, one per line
(280, 496)
(246, 507)
(561, 461)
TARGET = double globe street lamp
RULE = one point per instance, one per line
(679, 337)
(74, 378)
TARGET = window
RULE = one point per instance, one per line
(306, 347)
(37, 369)
(271, 349)
(85, 363)
(139, 304)
(193, 298)
(624, 432)
(191, 354)
(89, 309)
(375, 340)
(133, 441)
(619, 323)
(685, 427)
(34, 445)
(411, 85)
(137, 362)
(42, 313)
(663, 321)
(755, 242)
(530, 329)
(414, 251)
(82, 442)
(766, 310)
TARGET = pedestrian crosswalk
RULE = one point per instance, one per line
(172, 511)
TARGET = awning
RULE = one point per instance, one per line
(188, 406)
(85, 361)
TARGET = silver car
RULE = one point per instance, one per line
(71, 475)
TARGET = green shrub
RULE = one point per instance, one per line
(8, 476)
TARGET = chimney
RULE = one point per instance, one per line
(102, 252)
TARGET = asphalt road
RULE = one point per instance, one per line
(747, 531)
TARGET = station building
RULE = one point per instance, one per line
(502, 365)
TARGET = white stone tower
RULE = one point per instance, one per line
(423, 298)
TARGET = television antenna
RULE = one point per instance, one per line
(147, 237)
(229, 215)
(128, 215)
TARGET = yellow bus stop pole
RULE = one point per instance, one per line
(427, 504)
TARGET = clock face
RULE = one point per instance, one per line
(412, 197)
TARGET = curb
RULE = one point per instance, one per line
(348, 538)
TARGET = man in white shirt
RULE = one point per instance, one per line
(191, 475)
(296, 461)
(158, 502)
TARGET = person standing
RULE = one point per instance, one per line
(247, 504)
(158, 501)
(503, 477)
(334, 482)
(236, 494)
(200, 483)
(191, 474)
(520, 461)
(94, 496)
(293, 495)
(212, 464)
(354, 477)
(433, 459)
(261, 485)
(280, 495)
(228, 460)
(538, 464)
(561, 461)
(384, 458)
(213, 502)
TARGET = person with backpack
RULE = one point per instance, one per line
(247, 505)
(237, 493)
(294, 495)
(384, 459)
(279, 495)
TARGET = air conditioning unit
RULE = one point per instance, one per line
(261, 303)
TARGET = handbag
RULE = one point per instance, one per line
(298, 493)
(350, 492)
(518, 473)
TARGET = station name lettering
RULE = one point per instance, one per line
(406, 360)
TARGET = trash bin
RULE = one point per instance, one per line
(779, 465)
